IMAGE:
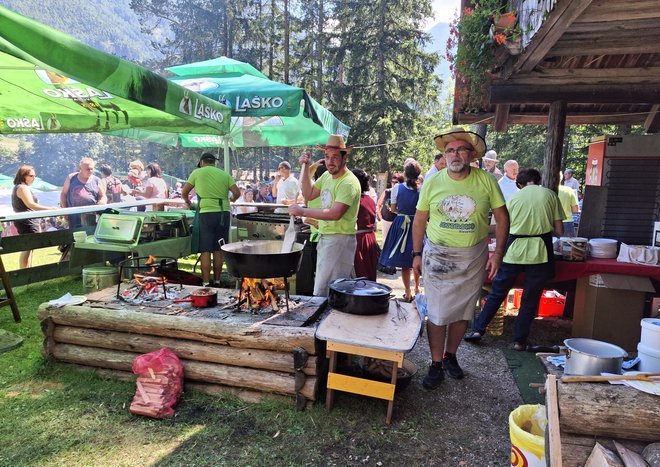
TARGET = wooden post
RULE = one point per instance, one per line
(554, 144)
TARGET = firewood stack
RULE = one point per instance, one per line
(159, 384)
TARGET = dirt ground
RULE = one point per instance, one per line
(469, 416)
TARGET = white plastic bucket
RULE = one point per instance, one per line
(79, 236)
(651, 333)
(649, 358)
(98, 278)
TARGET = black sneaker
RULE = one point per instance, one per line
(435, 376)
(452, 367)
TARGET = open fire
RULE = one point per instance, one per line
(147, 285)
(260, 293)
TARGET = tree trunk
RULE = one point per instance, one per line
(286, 42)
(271, 48)
(320, 51)
(380, 80)
(612, 411)
(553, 144)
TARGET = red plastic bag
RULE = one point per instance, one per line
(159, 383)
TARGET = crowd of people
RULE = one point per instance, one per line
(436, 226)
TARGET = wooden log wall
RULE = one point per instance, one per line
(217, 355)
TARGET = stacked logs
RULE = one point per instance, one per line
(217, 355)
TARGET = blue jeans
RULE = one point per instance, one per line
(535, 276)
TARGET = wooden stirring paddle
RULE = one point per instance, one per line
(650, 377)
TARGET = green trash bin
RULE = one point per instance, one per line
(527, 432)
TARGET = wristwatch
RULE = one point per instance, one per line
(416, 253)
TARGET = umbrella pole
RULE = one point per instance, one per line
(227, 165)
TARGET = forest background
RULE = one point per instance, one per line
(368, 61)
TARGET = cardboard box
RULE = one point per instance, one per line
(609, 307)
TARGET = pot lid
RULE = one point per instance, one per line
(360, 287)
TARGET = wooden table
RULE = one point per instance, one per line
(387, 337)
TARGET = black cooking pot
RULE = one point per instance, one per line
(261, 259)
(359, 296)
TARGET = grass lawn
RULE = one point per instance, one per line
(56, 414)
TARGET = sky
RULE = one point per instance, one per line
(444, 11)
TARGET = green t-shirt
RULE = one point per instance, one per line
(567, 199)
(212, 187)
(314, 232)
(345, 190)
(532, 211)
(458, 209)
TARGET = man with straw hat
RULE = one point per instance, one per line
(452, 213)
(490, 164)
(339, 191)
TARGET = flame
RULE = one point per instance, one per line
(260, 293)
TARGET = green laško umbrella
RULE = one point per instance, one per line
(264, 112)
(52, 83)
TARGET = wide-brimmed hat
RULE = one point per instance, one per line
(490, 156)
(335, 142)
(460, 134)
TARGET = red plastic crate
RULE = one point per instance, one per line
(551, 306)
(548, 306)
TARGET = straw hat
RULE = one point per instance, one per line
(490, 156)
(460, 134)
(335, 142)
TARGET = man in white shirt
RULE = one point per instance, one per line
(508, 181)
(571, 182)
(439, 164)
(285, 187)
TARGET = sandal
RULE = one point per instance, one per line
(473, 337)
(517, 346)
(408, 298)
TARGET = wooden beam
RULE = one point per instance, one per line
(612, 27)
(590, 76)
(501, 118)
(652, 122)
(607, 10)
(554, 144)
(552, 29)
(542, 119)
(645, 42)
(583, 94)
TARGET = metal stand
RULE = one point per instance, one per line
(286, 292)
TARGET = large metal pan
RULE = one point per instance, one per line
(261, 259)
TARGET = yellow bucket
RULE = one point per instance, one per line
(527, 436)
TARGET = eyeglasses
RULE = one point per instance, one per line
(31, 175)
(463, 151)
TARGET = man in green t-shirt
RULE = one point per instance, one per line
(212, 186)
(535, 213)
(339, 191)
(569, 204)
(452, 213)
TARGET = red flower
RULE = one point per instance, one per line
(467, 11)
(500, 38)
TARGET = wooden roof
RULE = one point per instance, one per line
(600, 56)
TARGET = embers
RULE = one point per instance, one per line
(258, 294)
(143, 280)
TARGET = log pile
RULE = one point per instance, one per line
(594, 419)
(216, 354)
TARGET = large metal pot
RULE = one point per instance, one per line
(592, 357)
(261, 259)
(359, 296)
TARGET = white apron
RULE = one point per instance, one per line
(453, 278)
